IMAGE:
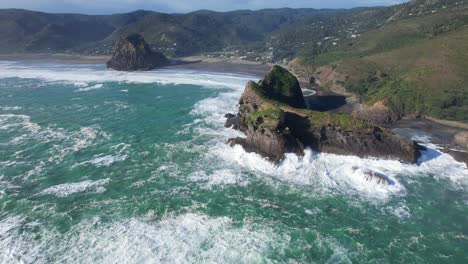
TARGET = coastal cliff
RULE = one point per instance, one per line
(273, 117)
(133, 54)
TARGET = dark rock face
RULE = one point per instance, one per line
(369, 142)
(133, 54)
(270, 141)
(231, 121)
(275, 129)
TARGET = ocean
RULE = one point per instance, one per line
(99, 166)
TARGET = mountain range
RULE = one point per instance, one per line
(411, 57)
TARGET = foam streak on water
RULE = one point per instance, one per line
(110, 167)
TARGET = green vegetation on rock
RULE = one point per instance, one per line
(345, 122)
(279, 84)
(268, 117)
(279, 79)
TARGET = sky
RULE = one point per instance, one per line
(179, 6)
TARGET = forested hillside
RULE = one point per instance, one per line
(412, 57)
(416, 62)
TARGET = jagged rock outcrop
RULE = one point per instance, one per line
(134, 54)
(274, 127)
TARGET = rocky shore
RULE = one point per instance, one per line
(442, 134)
(272, 114)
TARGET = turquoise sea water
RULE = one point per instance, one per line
(98, 166)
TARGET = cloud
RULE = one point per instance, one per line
(116, 6)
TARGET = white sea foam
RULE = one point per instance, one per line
(67, 189)
(9, 223)
(188, 238)
(223, 177)
(4, 184)
(23, 123)
(326, 173)
(17, 247)
(83, 139)
(10, 108)
(64, 141)
(72, 141)
(81, 76)
(36, 170)
(105, 161)
(10, 121)
(10, 163)
(401, 211)
(90, 88)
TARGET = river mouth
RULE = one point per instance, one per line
(102, 166)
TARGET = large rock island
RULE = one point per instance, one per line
(134, 54)
(272, 114)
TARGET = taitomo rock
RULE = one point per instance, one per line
(274, 125)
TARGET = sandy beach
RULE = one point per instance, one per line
(220, 65)
(192, 62)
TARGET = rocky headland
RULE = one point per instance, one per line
(134, 54)
(273, 116)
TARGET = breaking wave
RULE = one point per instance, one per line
(187, 238)
(200, 161)
(67, 189)
(326, 173)
(81, 77)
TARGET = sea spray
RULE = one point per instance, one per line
(145, 176)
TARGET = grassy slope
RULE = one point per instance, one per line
(421, 64)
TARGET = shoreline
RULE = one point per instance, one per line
(442, 132)
(55, 58)
(220, 65)
(190, 63)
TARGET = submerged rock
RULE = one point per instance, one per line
(272, 115)
(231, 121)
(133, 54)
(378, 177)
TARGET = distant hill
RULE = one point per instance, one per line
(416, 61)
(174, 34)
(413, 56)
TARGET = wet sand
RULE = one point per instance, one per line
(439, 133)
(220, 65)
(192, 63)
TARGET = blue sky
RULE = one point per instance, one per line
(119, 6)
